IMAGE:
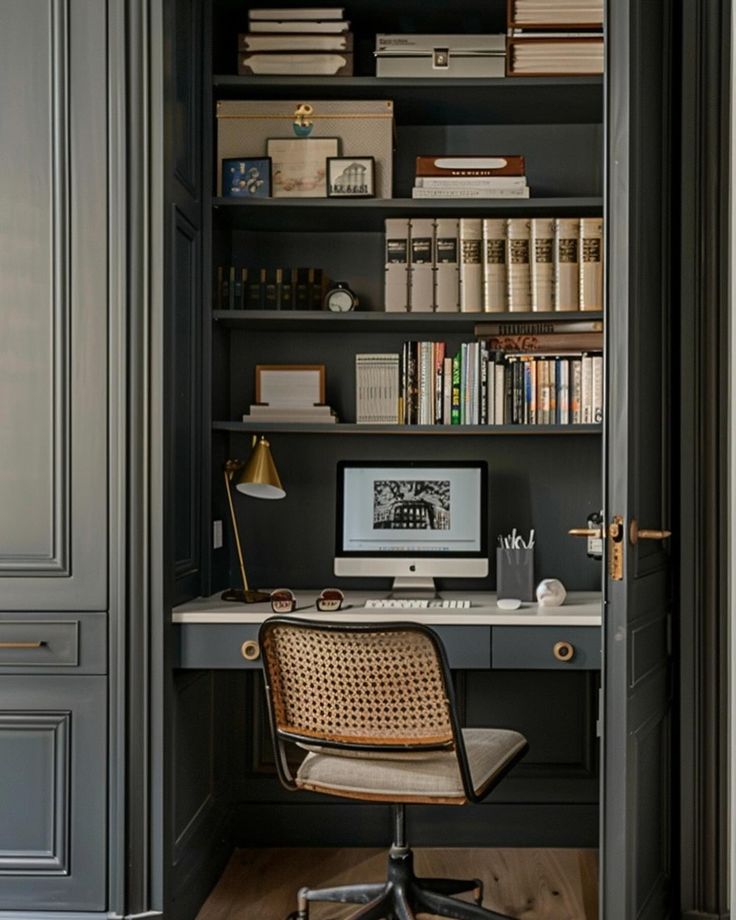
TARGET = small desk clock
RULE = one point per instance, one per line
(339, 298)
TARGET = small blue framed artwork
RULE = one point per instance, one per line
(246, 177)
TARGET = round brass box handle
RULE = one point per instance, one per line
(250, 650)
(563, 651)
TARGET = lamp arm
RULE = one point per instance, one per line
(228, 488)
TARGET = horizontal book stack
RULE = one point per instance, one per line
(558, 381)
(298, 42)
(560, 38)
(238, 288)
(470, 177)
(494, 265)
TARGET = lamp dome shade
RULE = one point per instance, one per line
(259, 477)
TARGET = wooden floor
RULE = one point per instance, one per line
(531, 884)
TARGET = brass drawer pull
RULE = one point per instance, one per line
(250, 650)
(563, 651)
(22, 644)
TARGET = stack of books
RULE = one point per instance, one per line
(562, 38)
(493, 264)
(299, 42)
(531, 379)
(301, 414)
(470, 177)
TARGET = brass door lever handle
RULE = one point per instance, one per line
(635, 534)
(586, 532)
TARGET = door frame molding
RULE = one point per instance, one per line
(702, 530)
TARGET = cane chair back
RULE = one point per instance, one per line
(372, 686)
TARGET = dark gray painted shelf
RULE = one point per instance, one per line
(377, 321)
(403, 430)
(333, 214)
(507, 100)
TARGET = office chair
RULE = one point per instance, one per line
(373, 706)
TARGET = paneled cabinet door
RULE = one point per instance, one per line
(53, 305)
(53, 803)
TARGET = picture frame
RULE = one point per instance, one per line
(290, 385)
(351, 177)
(246, 177)
(299, 165)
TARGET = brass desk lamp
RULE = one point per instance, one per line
(258, 478)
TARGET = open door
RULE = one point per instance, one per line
(636, 794)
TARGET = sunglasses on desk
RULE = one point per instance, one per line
(283, 600)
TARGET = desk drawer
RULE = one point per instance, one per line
(218, 645)
(547, 647)
(467, 647)
(53, 644)
(225, 645)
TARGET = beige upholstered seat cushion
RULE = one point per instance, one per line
(401, 779)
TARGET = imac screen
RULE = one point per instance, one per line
(412, 509)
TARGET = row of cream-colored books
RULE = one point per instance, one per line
(494, 265)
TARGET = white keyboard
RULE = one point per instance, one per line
(404, 603)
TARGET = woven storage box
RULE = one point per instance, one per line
(365, 128)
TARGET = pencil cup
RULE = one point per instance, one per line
(515, 573)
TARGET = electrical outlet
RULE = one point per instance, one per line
(217, 535)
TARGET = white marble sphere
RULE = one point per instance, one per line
(551, 593)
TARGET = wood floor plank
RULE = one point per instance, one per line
(531, 884)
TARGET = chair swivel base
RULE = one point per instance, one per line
(402, 895)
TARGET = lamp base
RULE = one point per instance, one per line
(238, 596)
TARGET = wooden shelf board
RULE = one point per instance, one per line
(375, 321)
(337, 214)
(404, 430)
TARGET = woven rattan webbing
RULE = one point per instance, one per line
(370, 687)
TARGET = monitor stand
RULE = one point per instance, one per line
(420, 587)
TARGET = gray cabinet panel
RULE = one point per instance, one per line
(53, 777)
(53, 305)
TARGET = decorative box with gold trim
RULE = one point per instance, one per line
(365, 128)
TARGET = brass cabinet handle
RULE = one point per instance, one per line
(563, 651)
(635, 534)
(586, 532)
(250, 650)
(22, 644)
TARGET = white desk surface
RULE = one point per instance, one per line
(581, 608)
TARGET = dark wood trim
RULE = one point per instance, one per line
(702, 545)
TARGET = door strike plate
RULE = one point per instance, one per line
(616, 548)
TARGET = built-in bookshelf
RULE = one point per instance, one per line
(556, 123)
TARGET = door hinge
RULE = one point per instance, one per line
(616, 548)
(599, 720)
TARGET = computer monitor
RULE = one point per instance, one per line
(414, 521)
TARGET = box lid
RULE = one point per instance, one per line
(398, 45)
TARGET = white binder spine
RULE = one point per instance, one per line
(446, 274)
(471, 293)
(494, 265)
(396, 287)
(421, 265)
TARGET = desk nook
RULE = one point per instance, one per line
(464, 378)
